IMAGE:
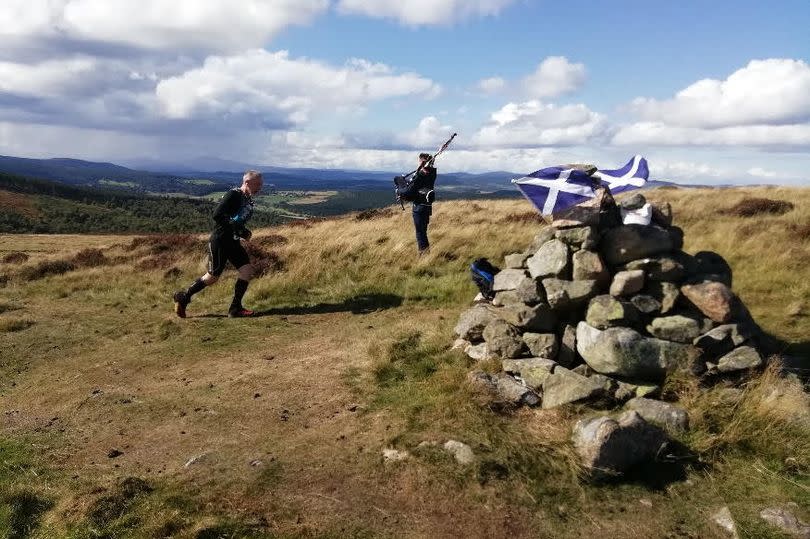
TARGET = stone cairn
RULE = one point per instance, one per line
(599, 312)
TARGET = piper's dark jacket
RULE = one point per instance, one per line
(422, 183)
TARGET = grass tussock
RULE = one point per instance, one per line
(374, 213)
(750, 207)
(15, 257)
(524, 217)
(46, 268)
(262, 260)
(90, 258)
(12, 325)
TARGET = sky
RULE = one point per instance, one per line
(709, 92)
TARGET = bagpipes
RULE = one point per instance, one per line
(404, 181)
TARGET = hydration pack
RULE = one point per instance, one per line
(483, 275)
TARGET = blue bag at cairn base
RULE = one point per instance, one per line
(483, 275)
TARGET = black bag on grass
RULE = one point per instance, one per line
(483, 275)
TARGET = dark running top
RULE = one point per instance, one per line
(423, 181)
(234, 210)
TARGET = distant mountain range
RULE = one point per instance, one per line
(208, 175)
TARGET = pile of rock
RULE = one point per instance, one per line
(601, 312)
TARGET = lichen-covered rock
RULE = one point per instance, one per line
(739, 359)
(504, 388)
(537, 318)
(625, 352)
(564, 387)
(506, 297)
(606, 311)
(631, 242)
(563, 295)
(714, 299)
(530, 291)
(670, 417)
(626, 283)
(508, 279)
(675, 328)
(478, 352)
(588, 266)
(784, 519)
(584, 237)
(646, 304)
(503, 340)
(542, 344)
(551, 260)
(518, 366)
(608, 448)
(472, 322)
(545, 235)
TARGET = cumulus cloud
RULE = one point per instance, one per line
(490, 86)
(660, 134)
(262, 83)
(555, 76)
(156, 24)
(534, 124)
(423, 12)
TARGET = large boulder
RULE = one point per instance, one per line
(626, 283)
(625, 352)
(538, 318)
(563, 295)
(676, 328)
(588, 266)
(608, 448)
(551, 260)
(606, 311)
(631, 242)
(503, 340)
(542, 344)
(714, 299)
(670, 417)
(564, 386)
(472, 322)
(739, 359)
(584, 237)
(508, 279)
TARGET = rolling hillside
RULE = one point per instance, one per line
(118, 419)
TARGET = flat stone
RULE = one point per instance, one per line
(584, 237)
(626, 283)
(564, 387)
(714, 299)
(562, 294)
(785, 520)
(537, 318)
(506, 297)
(672, 418)
(508, 279)
(551, 260)
(516, 260)
(478, 352)
(542, 344)
(675, 328)
(722, 517)
(462, 452)
(517, 366)
(504, 388)
(662, 268)
(606, 311)
(633, 202)
(631, 242)
(742, 358)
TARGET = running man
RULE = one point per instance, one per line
(224, 246)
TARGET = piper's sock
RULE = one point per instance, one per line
(239, 290)
(195, 287)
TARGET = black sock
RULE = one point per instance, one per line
(239, 290)
(195, 287)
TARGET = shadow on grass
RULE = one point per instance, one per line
(362, 304)
(27, 510)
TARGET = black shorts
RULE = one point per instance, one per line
(224, 249)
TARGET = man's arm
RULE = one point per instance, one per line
(226, 208)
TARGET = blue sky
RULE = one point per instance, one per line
(713, 92)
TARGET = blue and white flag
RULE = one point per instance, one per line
(555, 189)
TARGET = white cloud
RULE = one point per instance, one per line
(490, 86)
(760, 172)
(157, 24)
(534, 124)
(555, 76)
(660, 134)
(259, 83)
(50, 78)
(424, 12)
(765, 92)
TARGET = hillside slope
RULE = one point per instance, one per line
(120, 420)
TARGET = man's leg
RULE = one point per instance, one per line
(236, 309)
(216, 265)
(420, 223)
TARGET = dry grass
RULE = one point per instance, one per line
(750, 207)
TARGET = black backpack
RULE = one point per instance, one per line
(483, 275)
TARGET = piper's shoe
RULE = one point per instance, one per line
(240, 313)
(180, 302)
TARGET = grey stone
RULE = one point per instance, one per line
(662, 268)
(662, 214)
(666, 293)
(537, 318)
(545, 235)
(742, 358)
(472, 322)
(633, 202)
(551, 260)
(646, 304)
(506, 297)
(508, 279)
(478, 352)
(588, 266)
(722, 340)
(462, 452)
(644, 390)
(583, 370)
(670, 417)
(626, 283)
(581, 215)
(535, 377)
(518, 366)
(584, 237)
(675, 328)
(624, 391)
(567, 356)
(724, 519)
(625, 352)
(785, 520)
(530, 291)
(542, 344)
(714, 299)
(606, 311)
(564, 387)
(516, 260)
(631, 242)
(608, 448)
(503, 340)
(504, 388)
(562, 294)
(394, 455)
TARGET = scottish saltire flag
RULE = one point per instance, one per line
(555, 189)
